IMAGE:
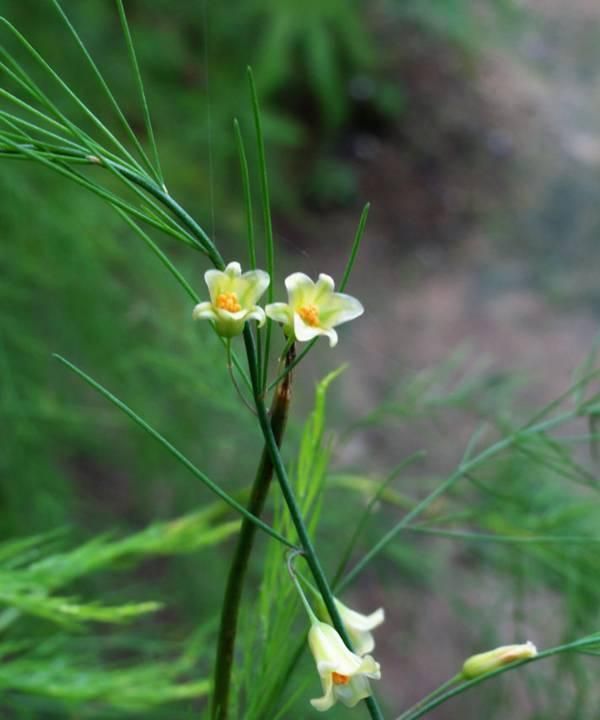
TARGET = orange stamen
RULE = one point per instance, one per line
(309, 313)
(339, 679)
(228, 301)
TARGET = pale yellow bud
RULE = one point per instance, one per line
(487, 662)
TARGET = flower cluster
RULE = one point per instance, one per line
(312, 309)
(344, 674)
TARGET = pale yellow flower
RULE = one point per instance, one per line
(359, 626)
(344, 675)
(233, 298)
(495, 659)
(313, 309)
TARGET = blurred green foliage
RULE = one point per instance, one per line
(67, 273)
(45, 666)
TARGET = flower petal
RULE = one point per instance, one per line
(340, 308)
(305, 332)
(330, 652)
(204, 311)
(357, 620)
(228, 315)
(280, 312)
(328, 700)
(258, 314)
(356, 690)
(363, 641)
(369, 667)
(217, 282)
(300, 288)
(324, 287)
(233, 269)
(332, 335)
(252, 285)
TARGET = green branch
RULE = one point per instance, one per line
(306, 543)
(445, 691)
(239, 564)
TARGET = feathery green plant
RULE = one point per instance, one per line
(49, 661)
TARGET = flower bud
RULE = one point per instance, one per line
(487, 662)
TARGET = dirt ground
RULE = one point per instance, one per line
(498, 248)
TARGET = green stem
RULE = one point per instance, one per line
(239, 564)
(428, 698)
(450, 690)
(299, 359)
(290, 563)
(152, 188)
(296, 515)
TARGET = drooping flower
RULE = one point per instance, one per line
(344, 675)
(233, 298)
(358, 626)
(313, 309)
(492, 660)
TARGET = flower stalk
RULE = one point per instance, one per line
(239, 564)
(306, 544)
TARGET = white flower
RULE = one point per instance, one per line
(359, 626)
(233, 298)
(344, 675)
(495, 659)
(313, 309)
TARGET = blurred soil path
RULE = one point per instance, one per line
(500, 250)
(491, 234)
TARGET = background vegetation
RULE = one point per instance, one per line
(100, 527)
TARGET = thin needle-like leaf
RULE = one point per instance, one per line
(62, 168)
(462, 470)
(293, 364)
(360, 525)
(169, 224)
(9, 118)
(160, 255)
(585, 370)
(571, 390)
(268, 222)
(23, 80)
(30, 109)
(249, 220)
(140, 85)
(355, 246)
(104, 85)
(247, 194)
(173, 451)
(76, 99)
(469, 536)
